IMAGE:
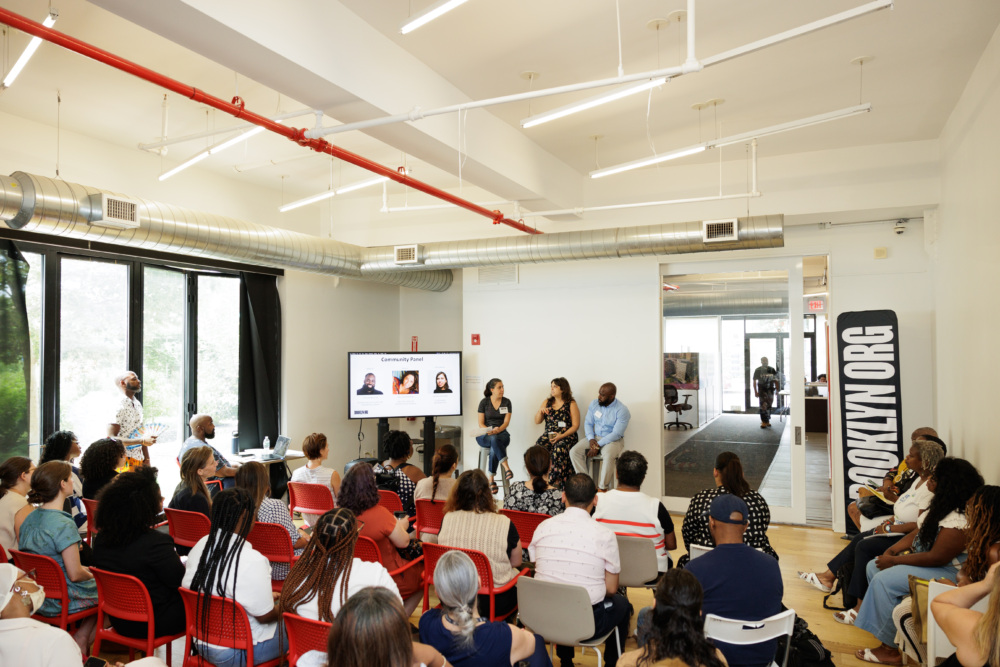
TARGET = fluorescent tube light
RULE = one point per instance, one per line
(591, 102)
(28, 52)
(734, 139)
(362, 184)
(308, 200)
(429, 14)
(212, 150)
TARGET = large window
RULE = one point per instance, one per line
(33, 299)
(219, 354)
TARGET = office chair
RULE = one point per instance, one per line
(672, 402)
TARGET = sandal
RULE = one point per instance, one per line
(811, 578)
(867, 655)
(493, 487)
(846, 617)
(508, 473)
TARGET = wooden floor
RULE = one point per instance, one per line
(800, 548)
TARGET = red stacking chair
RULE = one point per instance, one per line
(216, 483)
(186, 528)
(91, 507)
(275, 544)
(390, 500)
(125, 597)
(309, 498)
(304, 635)
(50, 576)
(367, 550)
(430, 513)
(432, 552)
(525, 522)
(228, 626)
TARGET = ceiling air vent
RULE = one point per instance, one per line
(717, 231)
(407, 254)
(116, 212)
(498, 275)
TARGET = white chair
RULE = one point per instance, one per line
(938, 645)
(594, 464)
(484, 465)
(638, 559)
(561, 614)
(733, 631)
(695, 550)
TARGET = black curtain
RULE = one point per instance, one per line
(15, 353)
(260, 368)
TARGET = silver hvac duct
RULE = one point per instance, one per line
(764, 231)
(677, 304)
(40, 204)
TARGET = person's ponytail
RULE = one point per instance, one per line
(731, 474)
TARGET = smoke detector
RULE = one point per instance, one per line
(720, 231)
(111, 211)
(407, 254)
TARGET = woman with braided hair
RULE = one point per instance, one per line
(465, 639)
(673, 631)
(328, 574)
(224, 564)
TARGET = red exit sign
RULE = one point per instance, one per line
(815, 305)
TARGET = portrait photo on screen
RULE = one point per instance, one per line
(369, 388)
(406, 382)
(441, 383)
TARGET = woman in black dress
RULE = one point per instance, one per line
(562, 420)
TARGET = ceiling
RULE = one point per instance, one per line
(349, 60)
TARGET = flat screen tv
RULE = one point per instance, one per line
(404, 384)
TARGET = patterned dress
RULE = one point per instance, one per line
(524, 499)
(559, 451)
(695, 527)
(275, 511)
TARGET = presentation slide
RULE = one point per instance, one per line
(404, 384)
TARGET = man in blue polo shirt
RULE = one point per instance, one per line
(739, 582)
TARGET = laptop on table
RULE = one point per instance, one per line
(278, 453)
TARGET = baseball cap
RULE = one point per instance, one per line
(724, 505)
(8, 575)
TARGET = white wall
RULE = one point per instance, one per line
(590, 322)
(967, 270)
(701, 335)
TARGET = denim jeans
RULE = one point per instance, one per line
(497, 445)
(886, 588)
(268, 649)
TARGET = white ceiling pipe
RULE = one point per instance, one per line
(691, 60)
(212, 133)
(664, 202)
(670, 72)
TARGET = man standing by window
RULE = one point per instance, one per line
(128, 419)
(765, 383)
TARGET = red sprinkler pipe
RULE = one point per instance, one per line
(236, 109)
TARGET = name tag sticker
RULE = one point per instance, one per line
(561, 424)
(503, 411)
(598, 414)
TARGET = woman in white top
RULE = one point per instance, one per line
(15, 482)
(316, 448)
(437, 487)
(328, 574)
(222, 563)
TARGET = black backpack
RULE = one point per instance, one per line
(806, 648)
(844, 575)
(387, 481)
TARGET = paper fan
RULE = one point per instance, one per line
(150, 429)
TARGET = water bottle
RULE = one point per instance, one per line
(267, 443)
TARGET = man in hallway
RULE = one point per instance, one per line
(605, 424)
(765, 383)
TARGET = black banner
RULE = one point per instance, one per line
(870, 401)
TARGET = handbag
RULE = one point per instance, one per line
(411, 551)
(873, 506)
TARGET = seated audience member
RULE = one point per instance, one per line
(372, 629)
(728, 475)
(628, 511)
(922, 460)
(100, 464)
(49, 531)
(572, 548)
(672, 632)
(464, 638)
(438, 486)
(316, 449)
(974, 634)
(127, 543)
(399, 449)
(328, 573)
(938, 547)
(15, 483)
(738, 581)
(191, 494)
(536, 495)
(471, 521)
(253, 476)
(983, 515)
(224, 564)
(63, 446)
(203, 430)
(26, 641)
(359, 494)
